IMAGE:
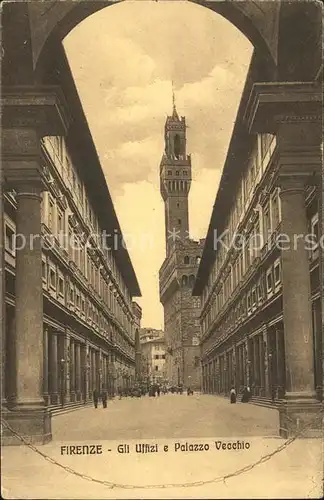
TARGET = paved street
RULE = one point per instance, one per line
(170, 415)
(168, 421)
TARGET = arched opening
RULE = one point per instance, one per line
(177, 147)
(184, 281)
(244, 15)
(186, 259)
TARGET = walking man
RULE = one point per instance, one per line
(95, 398)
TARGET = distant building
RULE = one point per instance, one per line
(150, 334)
(153, 356)
(178, 271)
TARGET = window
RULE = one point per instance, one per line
(254, 298)
(269, 282)
(156, 368)
(169, 172)
(186, 259)
(156, 356)
(179, 222)
(51, 214)
(249, 302)
(177, 172)
(185, 172)
(260, 291)
(266, 223)
(177, 146)
(277, 273)
(61, 286)
(314, 228)
(71, 294)
(275, 208)
(178, 205)
(10, 239)
(163, 356)
(60, 222)
(44, 270)
(198, 259)
(184, 281)
(52, 278)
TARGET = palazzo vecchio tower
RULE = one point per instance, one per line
(178, 271)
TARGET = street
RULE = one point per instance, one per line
(167, 416)
(169, 424)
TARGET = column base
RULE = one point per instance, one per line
(301, 416)
(34, 425)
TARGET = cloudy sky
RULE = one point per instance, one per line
(124, 59)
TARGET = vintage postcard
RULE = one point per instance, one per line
(161, 249)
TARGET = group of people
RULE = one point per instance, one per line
(245, 395)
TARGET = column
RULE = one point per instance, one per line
(78, 370)
(296, 291)
(67, 361)
(263, 364)
(45, 368)
(93, 370)
(72, 369)
(54, 369)
(29, 300)
(300, 405)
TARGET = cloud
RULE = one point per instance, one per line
(123, 59)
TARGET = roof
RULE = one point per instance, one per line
(85, 156)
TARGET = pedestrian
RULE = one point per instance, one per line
(245, 395)
(95, 398)
(104, 398)
(233, 395)
(158, 390)
(120, 392)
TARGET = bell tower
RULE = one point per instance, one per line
(175, 179)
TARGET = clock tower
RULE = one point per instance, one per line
(175, 180)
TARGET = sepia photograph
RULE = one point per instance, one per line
(161, 249)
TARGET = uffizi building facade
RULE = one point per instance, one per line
(83, 274)
(260, 286)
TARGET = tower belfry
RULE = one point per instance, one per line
(175, 178)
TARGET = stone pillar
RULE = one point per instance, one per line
(45, 368)
(262, 358)
(72, 370)
(54, 369)
(296, 292)
(300, 393)
(78, 370)
(93, 370)
(67, 358)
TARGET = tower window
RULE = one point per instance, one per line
(185, 172)
(184, 281)
(186, 259)
(177, 172)
(179, 222)
(169, 172)
(178, 205)
(177, 146)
